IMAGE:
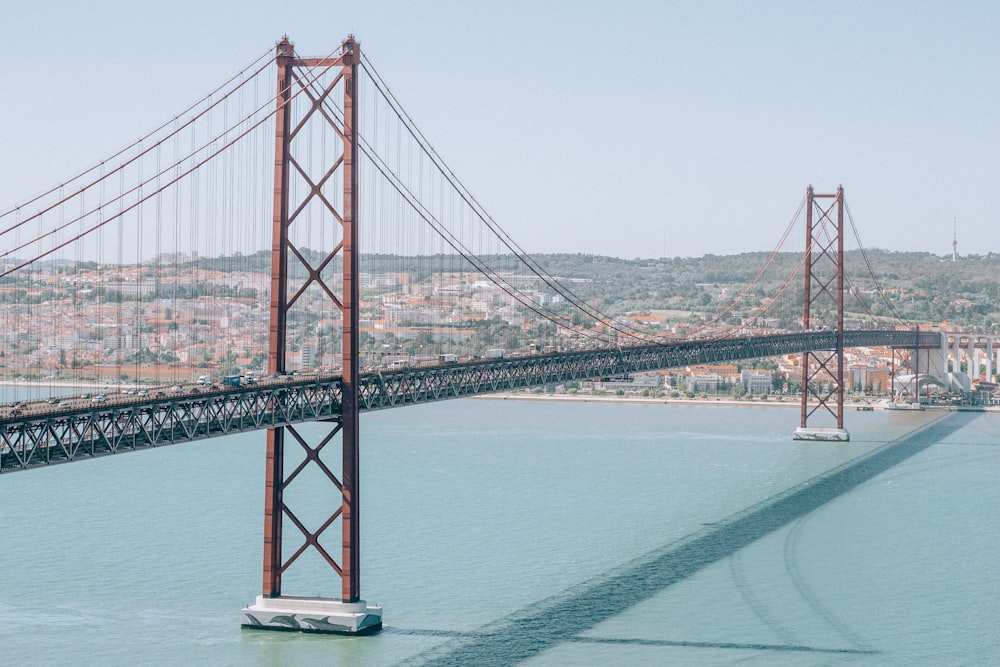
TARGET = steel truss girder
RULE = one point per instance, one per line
(57, 436)
(419, 385)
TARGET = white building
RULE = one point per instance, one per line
(756, 382)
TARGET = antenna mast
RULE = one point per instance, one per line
(954, 240)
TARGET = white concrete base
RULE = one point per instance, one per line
(826, 434)
(300, 614)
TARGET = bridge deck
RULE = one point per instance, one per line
(44, 435)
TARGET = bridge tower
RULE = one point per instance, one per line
(823, 370)
(331, 193)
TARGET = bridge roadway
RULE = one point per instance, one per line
(75, 430)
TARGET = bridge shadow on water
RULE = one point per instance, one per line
(561, 618)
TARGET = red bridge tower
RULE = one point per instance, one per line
(823, 370)
(310, 88)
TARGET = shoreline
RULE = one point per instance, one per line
(645, 400)
(852, 406)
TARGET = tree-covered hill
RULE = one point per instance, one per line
(920, 287)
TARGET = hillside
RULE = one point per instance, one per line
(920, 287)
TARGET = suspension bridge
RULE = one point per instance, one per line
(363, 293)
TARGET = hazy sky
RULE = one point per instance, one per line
(635, 129)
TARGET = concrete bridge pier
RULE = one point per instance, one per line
(933, 362)
(305, 614)
(988, 358)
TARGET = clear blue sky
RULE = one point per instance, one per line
(634, 129)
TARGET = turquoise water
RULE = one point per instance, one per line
(515, 532)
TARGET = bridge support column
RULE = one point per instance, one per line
(989, 358)
(956, 353)
(936, 360)
(314, 87)
(823, 370)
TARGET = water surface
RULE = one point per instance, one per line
(510, 532)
